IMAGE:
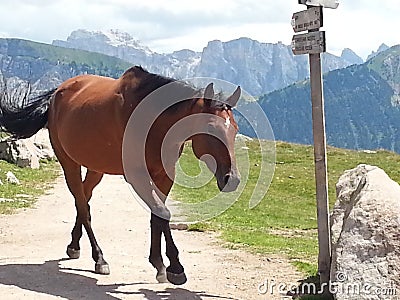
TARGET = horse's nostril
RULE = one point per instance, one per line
(226, 178)
(228, 183)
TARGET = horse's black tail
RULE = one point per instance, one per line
(22, 120)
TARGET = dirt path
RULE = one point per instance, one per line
(33, 262)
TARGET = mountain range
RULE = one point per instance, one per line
(362, 98)
(46, 66)
(362, 106)
(258, 67)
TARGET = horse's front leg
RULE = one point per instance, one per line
(153, 192)
(160, 224)
(155, 250)
(175, 271)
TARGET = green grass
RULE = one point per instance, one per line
(285, 221)
(34, 182)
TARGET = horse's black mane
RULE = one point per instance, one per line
(151, 82)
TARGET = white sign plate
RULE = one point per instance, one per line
(324, 3)
(307, 19)
(307, 43)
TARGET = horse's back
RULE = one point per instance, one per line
(85, 89)
(87, 122)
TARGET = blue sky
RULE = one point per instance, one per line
(164, 26)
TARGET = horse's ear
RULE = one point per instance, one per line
(234, 98)
(209, 91)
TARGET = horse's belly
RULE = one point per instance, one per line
(98, 152)
(98, 155)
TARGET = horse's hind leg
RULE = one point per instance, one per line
(73, 177)
(73, 249)
(92, 179)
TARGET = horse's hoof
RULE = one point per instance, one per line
(72, 253)
(176, 279)
(162, 277)
(102, 269)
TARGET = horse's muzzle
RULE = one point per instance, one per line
(229, 182)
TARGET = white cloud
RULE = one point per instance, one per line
(361, 25)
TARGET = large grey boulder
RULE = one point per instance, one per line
(41, 142)
(27, 152)
(366, 235)
(20, 152)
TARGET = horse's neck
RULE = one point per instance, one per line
(165, 144)
(179, 122)
(175, 129)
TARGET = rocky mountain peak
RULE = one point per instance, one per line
(382, 47)
(83, 39)
(350, 56)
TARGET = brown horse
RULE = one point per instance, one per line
(87, 118)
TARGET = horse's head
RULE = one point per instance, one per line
(215, 142)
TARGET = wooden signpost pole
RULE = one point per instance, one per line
(321, 176)
(313, 43)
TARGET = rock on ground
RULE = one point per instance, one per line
(11, 178)
(27, 152)
(41, 141)
(19, 152)
(366, 235)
